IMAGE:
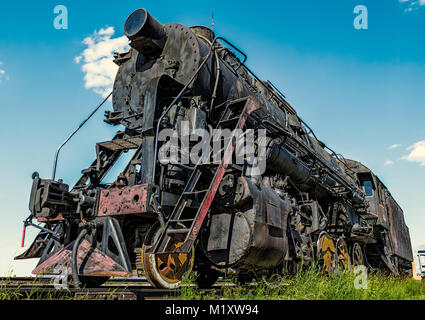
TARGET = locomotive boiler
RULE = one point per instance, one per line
(192, 198)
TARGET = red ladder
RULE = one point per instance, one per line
(182, 221)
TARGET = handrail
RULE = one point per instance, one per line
(234, 47)
(55, 162)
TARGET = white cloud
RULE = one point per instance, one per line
(417, 153)
(394, 146)
(78, 59)
(97, 59)
(388, 163)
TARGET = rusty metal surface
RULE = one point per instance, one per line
(125, 200)
(115, 289)
(91, 262)
(59, 217)
(102, 293)
(250, 238)
(401, 245)
(120, 144)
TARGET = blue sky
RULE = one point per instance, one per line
(362, 91)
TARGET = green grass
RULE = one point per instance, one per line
(309, 284)
(312, 284)
(37, 290)
(33, 291)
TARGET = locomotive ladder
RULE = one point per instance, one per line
(184, 220)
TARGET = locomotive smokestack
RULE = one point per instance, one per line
(141, 24)
(146, 34)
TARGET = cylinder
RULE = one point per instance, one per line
(141, 24)
(280, 160)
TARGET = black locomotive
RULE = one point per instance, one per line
(290, 201)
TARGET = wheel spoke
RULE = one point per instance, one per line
(326, 252)
(343, 255)
(165, 270)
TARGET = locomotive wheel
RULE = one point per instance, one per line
(357, 255)
(165, 270)
(343, 256)
(326, 252)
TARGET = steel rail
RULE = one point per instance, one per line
(124, 289)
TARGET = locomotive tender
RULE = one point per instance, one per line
(164, 218)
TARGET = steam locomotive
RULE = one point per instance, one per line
(221, 213)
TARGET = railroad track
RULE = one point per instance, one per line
(114, 289)
(45, 281)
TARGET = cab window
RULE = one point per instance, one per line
(368, 188)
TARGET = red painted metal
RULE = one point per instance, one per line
(90, 262)
(23, 236)
(124, 200)
(59, 217)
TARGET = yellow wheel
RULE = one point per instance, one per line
(357, 255)
(343, 256)
(326, 252)
(165, 270)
